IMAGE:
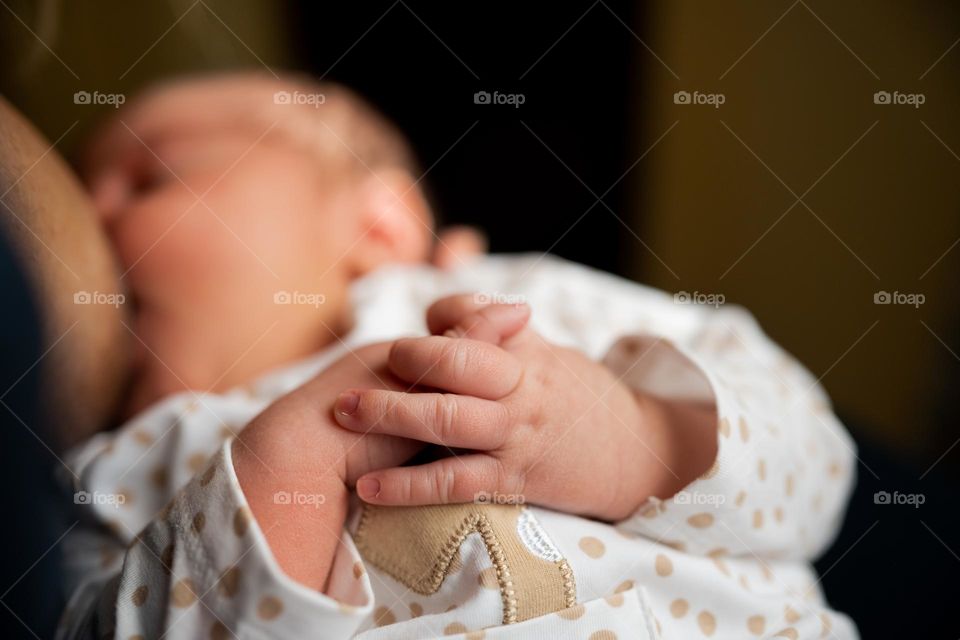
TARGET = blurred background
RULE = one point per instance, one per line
(797, 157)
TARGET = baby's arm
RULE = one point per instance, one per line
(254, 544)
(784, 466)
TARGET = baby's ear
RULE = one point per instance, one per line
(395, 221)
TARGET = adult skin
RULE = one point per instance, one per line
(50, 222)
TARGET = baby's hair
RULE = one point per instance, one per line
(335, 115)
(323, 118)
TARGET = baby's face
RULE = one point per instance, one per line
(237, 246)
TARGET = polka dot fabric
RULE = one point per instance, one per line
(175, 552)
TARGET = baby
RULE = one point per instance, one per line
(301, 461)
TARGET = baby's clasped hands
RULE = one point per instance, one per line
(544, 424)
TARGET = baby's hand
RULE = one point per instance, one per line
(545, 424)
(295, 449)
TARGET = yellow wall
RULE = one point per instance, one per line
(880, 217)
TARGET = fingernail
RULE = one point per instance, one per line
(347, 402)
(368, 488)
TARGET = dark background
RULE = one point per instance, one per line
(579, 170)
(494, 172)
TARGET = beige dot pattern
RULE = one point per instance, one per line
(572, 613)
(679, 608)
(593, 547)
(140, 595)
(199, 522)
(707, 623)
(790, 614)
(184, 594)
(241, 520)
(382, 616)
(207, 476)
(269, 607)
(700, 520)
(626, 585)
(454, 628)
(195, 462)
(229, 582)
(615, 600)
(756, 624)
(663, 565)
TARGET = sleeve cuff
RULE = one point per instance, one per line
(691, 519)
(239, 579)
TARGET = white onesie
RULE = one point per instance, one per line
(167, 546)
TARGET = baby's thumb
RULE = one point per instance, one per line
(493, 323)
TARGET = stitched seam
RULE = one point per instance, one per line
(569, 584)
(507, 594)
(420, 584)
(473, 523)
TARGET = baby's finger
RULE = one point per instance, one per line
(470, 478)
(455, 421)
(492, 324)
(457, 365)
(446, 312)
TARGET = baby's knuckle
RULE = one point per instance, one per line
(446, 411)
(456, 357)
(445, 480)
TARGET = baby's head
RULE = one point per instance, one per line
(221, 193)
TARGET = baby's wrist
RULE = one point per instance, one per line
(678, 445)
(290, 507)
